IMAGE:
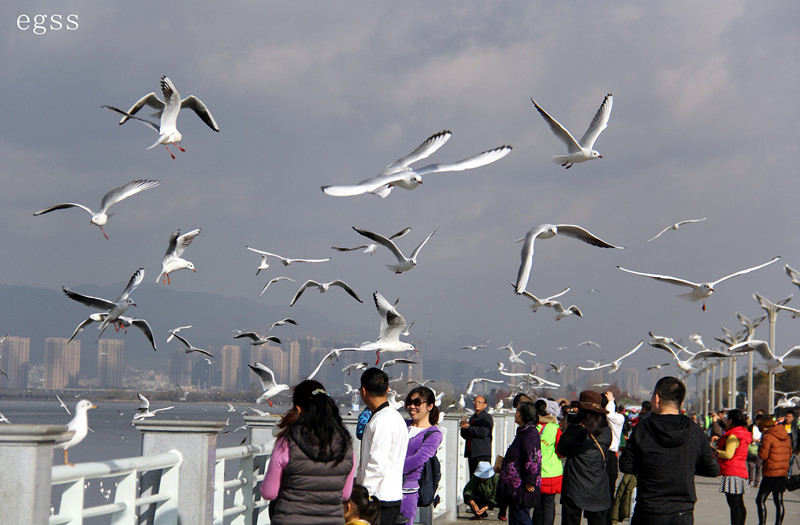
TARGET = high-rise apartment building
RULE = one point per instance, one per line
(180, 368)
(110, 362)
(62, 362)
(14, 359)
(231, 357)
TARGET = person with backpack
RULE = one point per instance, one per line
(424, 438)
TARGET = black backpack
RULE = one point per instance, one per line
(429, 480)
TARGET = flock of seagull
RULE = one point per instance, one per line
(393, 326)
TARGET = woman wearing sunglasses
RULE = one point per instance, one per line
(424, 438)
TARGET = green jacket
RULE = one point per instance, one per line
(484, 492)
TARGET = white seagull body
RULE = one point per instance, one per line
(539, 303)
(268, 384)
(617, 362)
(175, 331)
(399, 361)
(579, 151)
(547, 231)
(403, 263)
(323, 287)
(477, 380)
(121, 322)
(285, 260)
(774, 362)
(167, 110)
(400, 174)
(100, 217)
(675, 227)
(257, 339)
(562, 312)
(285, 320)
(686, 365)
(273, 281)
(115, 308)
(392, 325)
(589, 343)
(370, 248)
(143, 410)
(79, 425)
(172, 261)
(700, 291)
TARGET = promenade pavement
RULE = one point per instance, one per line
(709, 509)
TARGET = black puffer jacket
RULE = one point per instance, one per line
(666, 452)
(585, 479)
(311, 485)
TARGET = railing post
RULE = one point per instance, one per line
(452, 474)
(263, 431)
(350, 422)
(197, 442)
(26, 456)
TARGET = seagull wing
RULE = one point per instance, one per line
(172, 104)
(144, 402)
(185, 341)
(200, 109)
(136, 280)
(250, 335)
(128, 115)
(346, 287)
(774, 259)
(275, 280)
(62, 206)
(559, 294)
(755, 345)
(265, 375)
(424, 150)
(576, 232)
(151, 99)
(599, 123)
(631, 352)
(667, 348)
(125, 191)
(143, 325)
(662, 232)
(526, 258)
(397, 235)
(383, 241)
(181, 242)
(302, 289)
(663, 278)
(559, 130)
(392, 323)
(475, 161)
(92, 302)
(418, 248)
(793, 353)
(89, 320)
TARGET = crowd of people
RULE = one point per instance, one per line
(573, 449)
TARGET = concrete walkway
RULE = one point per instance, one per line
(709, 509)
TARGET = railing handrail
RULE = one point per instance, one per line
(105, 469)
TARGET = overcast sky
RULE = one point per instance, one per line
(315, 93)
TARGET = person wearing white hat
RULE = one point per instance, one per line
(480, 492)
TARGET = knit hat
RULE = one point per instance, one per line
(591, 401)
(484, 470)
(553, 407)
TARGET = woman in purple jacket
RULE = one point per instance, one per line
(520, 482)
(424, 438)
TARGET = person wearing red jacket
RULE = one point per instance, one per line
(732, 455)
(775, 451)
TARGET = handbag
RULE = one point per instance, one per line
(793, 480)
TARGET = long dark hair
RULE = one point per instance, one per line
(318, 422)
(593, 422)
(368, 508)
(428, 397)
(528, 412)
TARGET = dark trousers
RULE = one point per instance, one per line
(612, 468)
(390, 510)
(678, 518)
(571, 514)
(519, 515)
(544, 513)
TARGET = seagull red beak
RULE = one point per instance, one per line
(600, 156)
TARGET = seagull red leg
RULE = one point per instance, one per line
(168, 151)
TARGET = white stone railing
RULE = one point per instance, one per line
(181, 475)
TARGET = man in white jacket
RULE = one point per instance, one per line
(616, 421)
(383, 446)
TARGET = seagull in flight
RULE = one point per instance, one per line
(589, 343)
(115, 308)
(370, 248)
(675, 227)
(175, 331)
(143, 410)
(189, 347)
(774, 362)
(547, 231)
(557, 368)
(514, 357)
(122, 322)
(477, 380)
(324, 287)
(616, 363)
(475, 347)
(399, 361)
(273, 281)
(562, 312)
(539, 303)
(285, 320)
(100, 217)
(268, 384)
(700, 291)
(403, 263)
(172, 261)
(61, 402)
(79, 425)
(257, 339)
(686, 365)
(579, 151)
(399, 173)
(285, 260)
(167, 110)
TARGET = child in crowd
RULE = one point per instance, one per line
(361, 509)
